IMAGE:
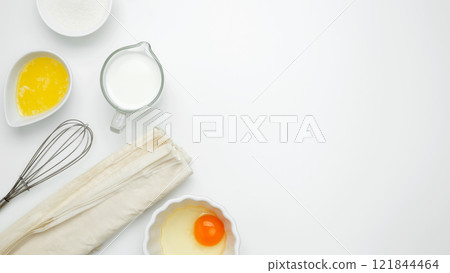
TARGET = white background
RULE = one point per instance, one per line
(375, 75)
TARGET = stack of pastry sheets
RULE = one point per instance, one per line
(90, 209)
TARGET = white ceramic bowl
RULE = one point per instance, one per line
(59, 28)
(13, 118)
(153, 231)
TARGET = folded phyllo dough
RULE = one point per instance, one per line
(86, 212)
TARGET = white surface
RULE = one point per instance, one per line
(377, 82)
(152, 233)
(13, 118)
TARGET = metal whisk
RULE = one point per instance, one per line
(65, 146)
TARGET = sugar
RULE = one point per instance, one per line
(77, 16)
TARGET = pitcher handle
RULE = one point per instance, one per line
(118, 122)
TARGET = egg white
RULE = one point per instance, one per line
(177, 233)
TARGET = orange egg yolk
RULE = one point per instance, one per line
(208, 230)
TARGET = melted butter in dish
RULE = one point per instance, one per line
(42, 84)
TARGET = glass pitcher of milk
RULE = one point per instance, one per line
(131, 78)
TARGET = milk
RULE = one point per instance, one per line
(132, 80)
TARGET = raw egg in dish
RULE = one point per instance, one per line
(193, 230)
(42, 84)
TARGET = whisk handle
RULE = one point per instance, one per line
(3, 202)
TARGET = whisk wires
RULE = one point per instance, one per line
(64, 147)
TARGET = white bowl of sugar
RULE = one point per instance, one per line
(74, 18)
